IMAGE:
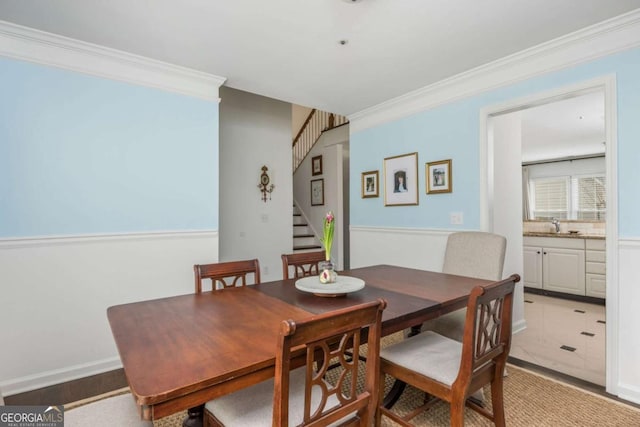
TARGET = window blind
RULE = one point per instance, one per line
(589, 197)
(550, 198)
(569, 197)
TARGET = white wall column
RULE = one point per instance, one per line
(505, 150)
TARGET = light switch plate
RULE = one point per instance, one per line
(456, 218)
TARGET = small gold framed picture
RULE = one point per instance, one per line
(438, 176)
(370, 184)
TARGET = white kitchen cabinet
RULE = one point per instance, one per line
(596, 283)
(555, 264)
(563, 270)
(532, 267)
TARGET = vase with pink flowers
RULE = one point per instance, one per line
(326, 268)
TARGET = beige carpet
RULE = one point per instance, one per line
(530, 400)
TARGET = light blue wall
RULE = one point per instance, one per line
(452, 132)
(82, 155)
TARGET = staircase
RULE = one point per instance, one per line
(303, 238)
(316, 123)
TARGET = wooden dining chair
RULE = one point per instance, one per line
(227, 274)
(453, 371)
(303, 396)
(303, 264)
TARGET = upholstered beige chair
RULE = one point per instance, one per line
(473, 254)
(453, 371)
(302, 396)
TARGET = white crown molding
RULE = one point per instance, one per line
(40, 241)
(606, 38)
(50, 49)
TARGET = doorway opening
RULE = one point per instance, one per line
(543, 312)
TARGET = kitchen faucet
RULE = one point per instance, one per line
(555, 222)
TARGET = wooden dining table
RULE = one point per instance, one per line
(182, 351)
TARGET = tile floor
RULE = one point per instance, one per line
(556, 326)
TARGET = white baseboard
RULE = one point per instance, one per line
(58, 376)
(629, 392)
(518, 326)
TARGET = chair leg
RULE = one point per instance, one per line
(457, 411)
(378, 415)
(497, 402)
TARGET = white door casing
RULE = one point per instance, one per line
(493, 163)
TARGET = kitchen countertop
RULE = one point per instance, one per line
(579, 235)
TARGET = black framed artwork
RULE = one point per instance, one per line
(317, 192)
(316, 165)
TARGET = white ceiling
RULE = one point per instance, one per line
(571, 127)
(289, 49)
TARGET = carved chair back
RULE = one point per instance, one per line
(303, 264)
(227, 274)
(319, 335)
(427, 361)
(487, 336)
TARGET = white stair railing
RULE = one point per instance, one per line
(316, 123)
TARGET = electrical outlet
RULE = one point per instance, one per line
(456, 218)
(265, 269)
(264, 217)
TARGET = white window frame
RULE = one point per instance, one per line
(572, 195)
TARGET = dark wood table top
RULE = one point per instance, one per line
(180, 352)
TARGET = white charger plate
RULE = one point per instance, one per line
(342, 286)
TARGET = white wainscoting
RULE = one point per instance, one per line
(56, 291)
(408, 247)
(628, 319)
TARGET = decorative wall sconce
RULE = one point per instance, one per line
(264, 185)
